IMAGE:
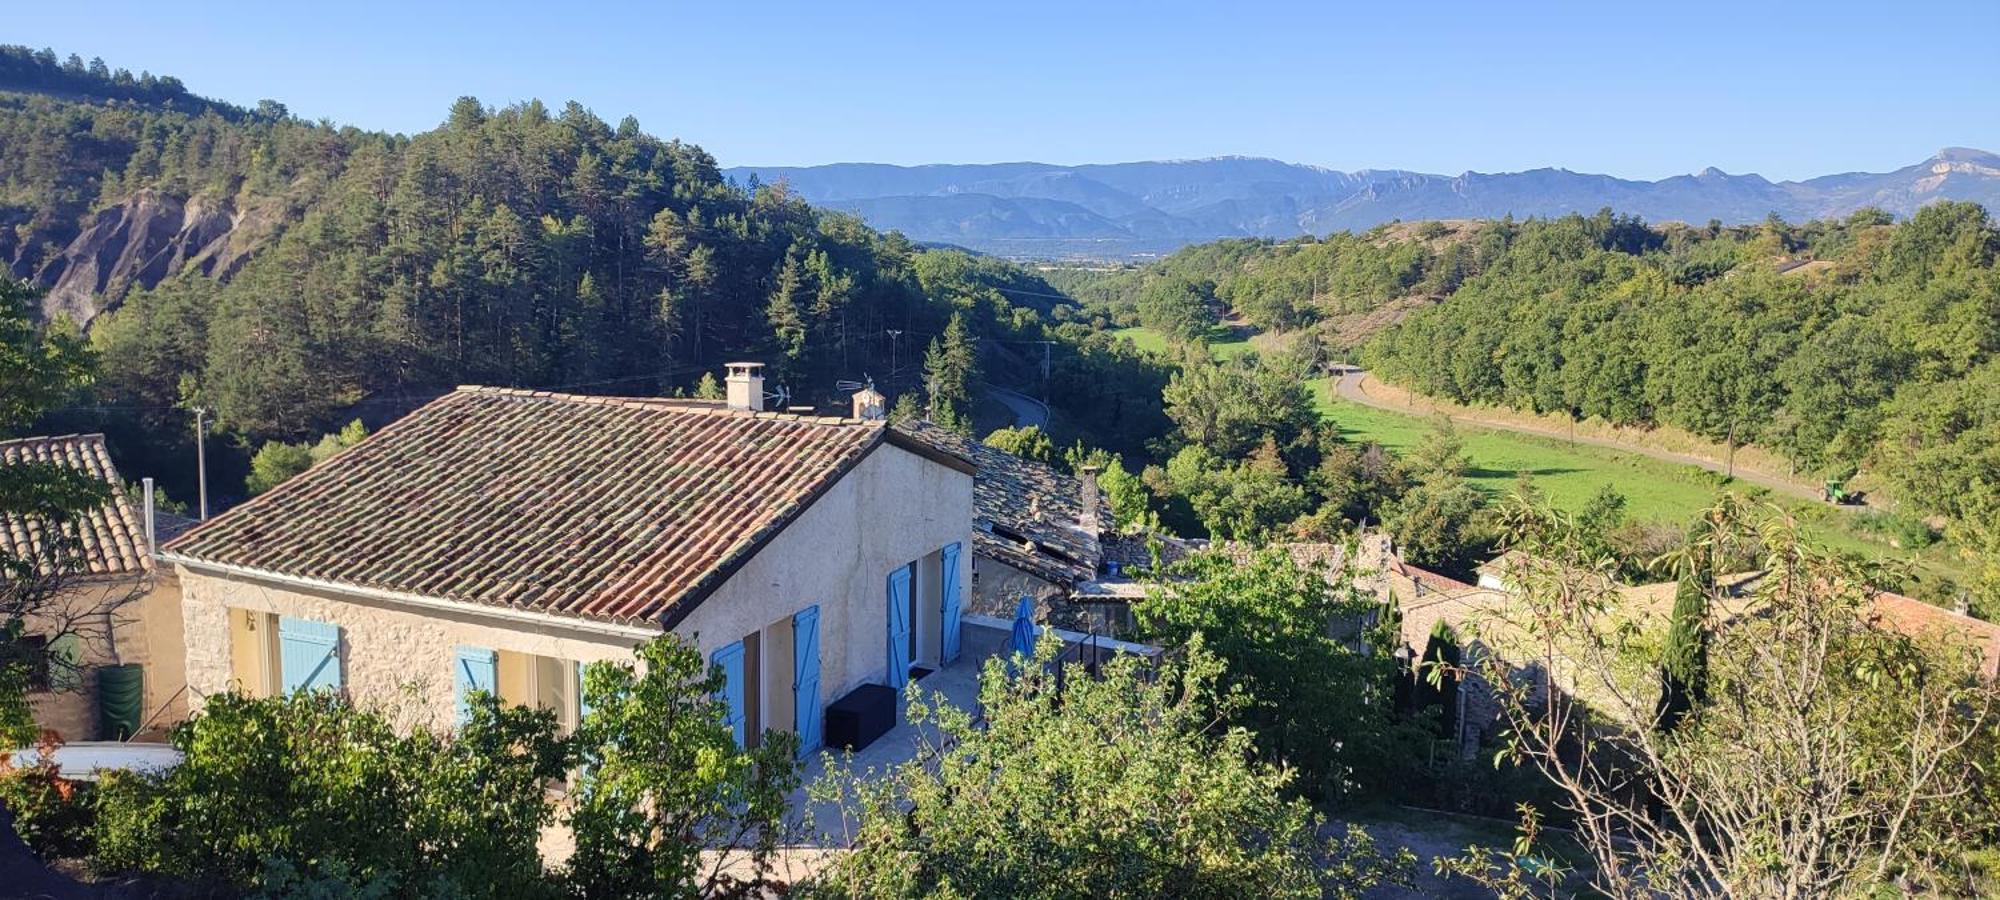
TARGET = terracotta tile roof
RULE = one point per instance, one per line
(617, 509)
(1025, 514)
(112, 541)
(1916, 618)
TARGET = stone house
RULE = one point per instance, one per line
(104, 605)
(1036, 532)
(499, 539)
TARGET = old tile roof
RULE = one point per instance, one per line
(1025, 514)
(112, 542)
(1135, 551)
(616, 509)
(1915, 618)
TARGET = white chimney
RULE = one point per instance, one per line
(745, 385)
(870, 405)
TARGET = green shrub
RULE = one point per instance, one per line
(672, 807)
(1079, 786)
(52, 814)
(306, 790)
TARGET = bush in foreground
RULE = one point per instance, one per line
(1077, 786)
(307, 789)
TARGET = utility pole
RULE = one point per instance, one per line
(1732, 449)
(894, 333)
(1045, 370)
(201, 456)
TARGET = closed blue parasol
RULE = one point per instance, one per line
(1024, 628)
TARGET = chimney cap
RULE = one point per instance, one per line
(745, 386)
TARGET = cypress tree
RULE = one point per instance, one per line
(1438, 676)
(1684, 662)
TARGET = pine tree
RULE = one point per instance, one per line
(708, 388)
(787, 317)
(951, 365)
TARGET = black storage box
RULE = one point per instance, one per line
(856, 720)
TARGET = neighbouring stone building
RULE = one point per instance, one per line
(1036, 531)
(104, 605)
(498, 539)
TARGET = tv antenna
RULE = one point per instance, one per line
(894, 367)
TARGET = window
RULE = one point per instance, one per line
(272, 654)
(538, 682)
(56, 664)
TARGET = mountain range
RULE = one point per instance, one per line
(1139, 209)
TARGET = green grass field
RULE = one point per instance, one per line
(1225, 343)
(1568, 475)
(1655, 490)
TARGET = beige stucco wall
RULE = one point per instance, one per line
(892, 508)
(134, 619)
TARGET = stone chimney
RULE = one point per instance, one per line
(1086, 477)
(744, 385)
(870, 405)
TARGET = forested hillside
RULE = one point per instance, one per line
(1842, 345)
(290, 275)
(1344, 287)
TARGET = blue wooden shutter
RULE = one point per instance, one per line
(308, 655)
(730, 658)
(953, 605)
(806, 709)
(478, 670)
(899, 628)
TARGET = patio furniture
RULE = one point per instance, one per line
(856, 720)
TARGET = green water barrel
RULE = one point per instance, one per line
(121, 701)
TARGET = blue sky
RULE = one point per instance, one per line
(1636, 90)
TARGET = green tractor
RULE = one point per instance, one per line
(1836, 493)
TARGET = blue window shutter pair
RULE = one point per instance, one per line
(953, 608)
(730, 658)
(308, 655)
(899, 628)
(478, 669)
(806, 709)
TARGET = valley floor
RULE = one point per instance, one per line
(1658, 484)
(1357, 386)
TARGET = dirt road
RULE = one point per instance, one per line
(1354, 385)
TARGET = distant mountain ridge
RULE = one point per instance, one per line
(1120, 210)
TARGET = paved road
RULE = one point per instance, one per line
(1027, 410)
(1353, 385)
